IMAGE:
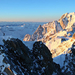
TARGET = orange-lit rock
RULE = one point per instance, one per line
(73, 36)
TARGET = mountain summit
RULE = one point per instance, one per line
(56, 34)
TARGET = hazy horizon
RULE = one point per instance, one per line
(21, 21)
(34, 10)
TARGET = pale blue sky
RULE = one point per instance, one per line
(34, 10)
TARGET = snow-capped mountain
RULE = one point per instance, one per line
(65, 23)
(56, 34)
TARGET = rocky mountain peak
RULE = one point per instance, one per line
(64, 23)
(27, 37)
(57, 35)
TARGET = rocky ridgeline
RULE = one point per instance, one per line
(23, 61)
(20, 60)
(36, 35)
(66, 22)
(52, 28)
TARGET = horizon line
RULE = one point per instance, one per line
(25, 21)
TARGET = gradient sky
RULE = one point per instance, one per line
(34, 10)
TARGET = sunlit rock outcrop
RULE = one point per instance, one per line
(73, 36)
(38, 33)
(27, 37)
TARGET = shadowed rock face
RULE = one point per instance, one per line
(17, 56)
(43, 57)
(17, 47)
(37, 61)
(40, 49)
(73, 48)
(69, 62)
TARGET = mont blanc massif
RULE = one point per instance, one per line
(34, 49)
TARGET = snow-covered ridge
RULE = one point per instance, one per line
(55, 34)
(67, 21)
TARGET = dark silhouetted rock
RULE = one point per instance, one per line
(18, 56)
(25, 62)
(44, 59)
(73, 48)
